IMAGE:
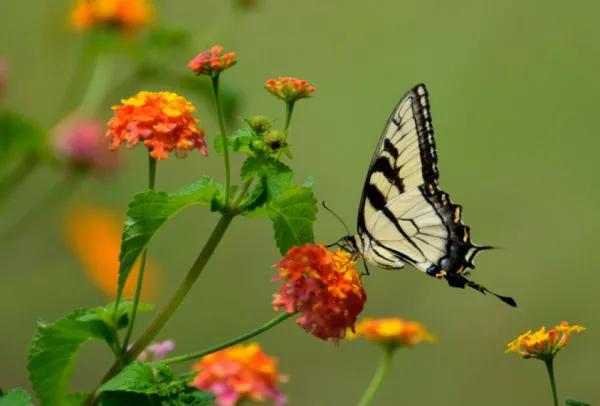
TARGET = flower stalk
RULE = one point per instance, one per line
(140, 279)
(550, 368)
(221, 116)
(239, 339)
(379, 376)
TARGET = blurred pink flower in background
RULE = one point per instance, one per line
(80, 142)
(157, 351)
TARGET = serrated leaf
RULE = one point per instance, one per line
(158, 382)
(293, 215)
(276, 175)
(238, 141)
(16, 397)
(150, 210)
(54, 348)
(19, 136)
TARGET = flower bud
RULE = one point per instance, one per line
(275, 139)
(259, 124)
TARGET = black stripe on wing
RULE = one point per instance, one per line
(460, 251)
(417, 101)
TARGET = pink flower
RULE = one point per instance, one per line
(157, 351)
(80, 142)
(212, 62)
(2, 76)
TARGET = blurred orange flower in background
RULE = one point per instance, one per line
(161, 120)
(129, 15)
(94, 235)
(239, 373)
(323, 287)
(543, 344)
(392, 332)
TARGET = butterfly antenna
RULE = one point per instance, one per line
(337, 217)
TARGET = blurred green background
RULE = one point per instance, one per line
(513, 89)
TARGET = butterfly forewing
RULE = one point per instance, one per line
(403, 216)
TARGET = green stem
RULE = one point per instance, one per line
(217, 98)
(170, 308)
(10, 183)
(289, 109)
(99, 82)
(380, 374)
(140, 278)
(270, 324)
(550, 368)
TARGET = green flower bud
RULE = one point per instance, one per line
(275, 140)
(260, 124)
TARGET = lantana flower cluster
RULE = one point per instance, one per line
(543, 344)
(212, 62)
(323, 287)
(240, 373)
(289, 89)
(393, 332)
(161, 120)
(156, 351)
(128, 15)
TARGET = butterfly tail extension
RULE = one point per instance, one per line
(457, 281)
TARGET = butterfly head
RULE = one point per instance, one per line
(351, 244)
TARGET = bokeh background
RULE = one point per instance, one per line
(514, 90)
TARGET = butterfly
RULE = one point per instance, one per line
(404, 217)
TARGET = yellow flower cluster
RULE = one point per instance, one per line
(394, 332)
(543, 344)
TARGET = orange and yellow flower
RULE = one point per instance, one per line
(393, 332)
(323, 287)
(212, 62)
(161, 120)
(543, 344)
(127, 15)
(289, 89)
(94, 235)
(240, 373)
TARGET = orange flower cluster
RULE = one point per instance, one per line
(94, 234)
(212, 62)
(393, 332)
(543, 344)
(128, 15)
(161, 120)
(323, 287)
(239, 373)
(289, 89)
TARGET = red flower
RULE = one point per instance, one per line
(323, 287)
(161, 120)
(212, 62)
(289, 89)
(239, 373)
(80, 142)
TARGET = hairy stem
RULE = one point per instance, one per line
(550, 368)
(268, 325)
(380, 374)
(217, 98)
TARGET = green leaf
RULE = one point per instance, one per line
(54, 348)
(16, 397)
(571, 402)
(293, 214)
(158, 382)
(150, 210)
(19, 136)
(276, 175)
(238, 141)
